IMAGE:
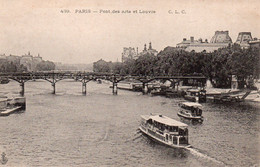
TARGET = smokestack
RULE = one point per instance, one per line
(192, 39)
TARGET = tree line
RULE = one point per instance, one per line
(217, 66)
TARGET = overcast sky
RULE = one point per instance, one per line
(87, 37)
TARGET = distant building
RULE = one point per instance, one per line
(129, 53)
(36, 60)
(27, 61)
(13, 58)
(246, 41)
(102, 66)
(150, 50)
(255, 43)
(243, 39)
(30, 61)
(221, 39)
(2, 57)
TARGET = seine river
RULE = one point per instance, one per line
(100, 129)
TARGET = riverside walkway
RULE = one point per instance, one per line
(84, 77)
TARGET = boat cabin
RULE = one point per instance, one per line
(168, 130)
(196, 95)
(193, 108)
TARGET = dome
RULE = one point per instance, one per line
(221, 37)
(244, 37)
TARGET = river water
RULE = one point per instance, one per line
(100, 129)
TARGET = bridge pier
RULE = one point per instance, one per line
(84, 88)
(145, 88)
(114, 89)
(53, 86)
(22, 88)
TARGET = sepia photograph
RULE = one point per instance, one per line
(133, 83)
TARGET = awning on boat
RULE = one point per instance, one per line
(193, 90)
(167, 121)
(3, 99)
(191, 104)
(145, 117)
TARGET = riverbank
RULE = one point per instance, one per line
(212, 94)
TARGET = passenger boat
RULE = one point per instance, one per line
(190, 110)
(158, 90)
(196, 95)
(165, 130)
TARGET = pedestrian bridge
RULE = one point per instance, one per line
(84, 77)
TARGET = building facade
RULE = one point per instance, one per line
(254, 44)
(131, 54)
(29, 61)
(220, 39)
(243, 39)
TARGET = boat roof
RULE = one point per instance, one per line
(191, 104)
(193, 90)
(3, 99)
(164, 120)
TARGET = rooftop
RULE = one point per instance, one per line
(164, 120)
(255, 41)
(191, 104)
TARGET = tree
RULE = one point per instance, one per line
(45, 66)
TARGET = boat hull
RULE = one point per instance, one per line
(7, 112)
(144, 131)
(198, 118)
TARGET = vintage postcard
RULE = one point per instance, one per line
(113, 83)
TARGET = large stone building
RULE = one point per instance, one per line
(221, 39)
(27, 60)
(243, 39)
(11, 58)
(246, 41)
(132, 54)
(30, 62)
(255, 43)
(129, 53)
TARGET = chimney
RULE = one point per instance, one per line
(150, 46)
(192, 39)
